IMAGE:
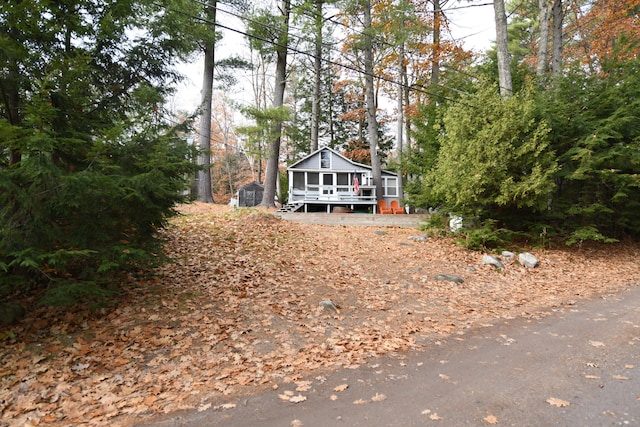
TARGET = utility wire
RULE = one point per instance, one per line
(327, 61)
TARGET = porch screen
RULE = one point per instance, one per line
(298, 180)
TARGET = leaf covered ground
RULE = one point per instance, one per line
(248, 303)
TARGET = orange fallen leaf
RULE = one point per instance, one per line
(341, 387)
(557, 402)
(491, 419)
(360, 402)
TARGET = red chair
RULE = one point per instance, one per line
(382, 207)
(396, 208)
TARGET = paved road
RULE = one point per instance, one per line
(579, 366)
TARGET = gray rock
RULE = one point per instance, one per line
(449, 278)
(328, 304)
(528, 260)
(492, 260)
(508, 255)
(380, 233)
(471, 268)
(422, 238)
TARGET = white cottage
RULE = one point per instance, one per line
(326, 179)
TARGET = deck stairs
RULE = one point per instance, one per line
(291, 207)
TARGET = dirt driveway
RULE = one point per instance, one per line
(577, 367)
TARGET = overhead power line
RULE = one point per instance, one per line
(300, 52)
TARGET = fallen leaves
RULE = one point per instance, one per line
(238, 310)
(557, 402)
(290, 396)
(432, 415)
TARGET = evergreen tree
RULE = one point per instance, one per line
(89, 169)
(494, 158)
(596, 133)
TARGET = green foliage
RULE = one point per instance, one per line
(494, 155)
(591, 233)
(596, 132)
(487, 235)
(88, 169)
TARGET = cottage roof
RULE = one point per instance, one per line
(315, 153)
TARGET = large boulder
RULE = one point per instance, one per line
(492, 260)
(528, 260)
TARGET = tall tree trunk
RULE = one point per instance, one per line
(435, 63)
(317, 71)
(504, 62)
(271, 176)
(204, 158)
(372, 123)
(543, 44)
(558, 17)
(400, 129)
(407, 102)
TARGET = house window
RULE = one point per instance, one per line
(325, 160)
(390, 186)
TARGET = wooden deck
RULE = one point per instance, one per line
(355, 219)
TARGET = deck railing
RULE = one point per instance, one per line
(333, 193)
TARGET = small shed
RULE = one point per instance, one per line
(250, 194)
